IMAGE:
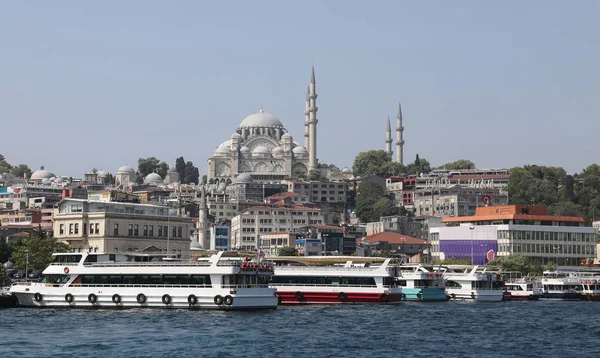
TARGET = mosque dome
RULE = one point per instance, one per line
(244, 178)
(41, 174)
(260, 150)
(126, 170)
(261, 119)
(223, 150)
(299, 150)
(277, 150)
(346, 170)
(244, 150)
(172, 169)
(236, 135)
(101, 174)
(153, 179)
(286, 135)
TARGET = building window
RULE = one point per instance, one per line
(165, 230)
(97, 228)
(130, 231)
(91, 228)
(76, 228)
(160, 231)
(116, 230)
(62, 229)
(174, 231)
(84, 228)
(136, 230)
(70, 229)
(151, 230)
(179, 231)
(145, 230)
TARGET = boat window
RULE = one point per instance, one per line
(319, 280)
(195, 280)
(67, 258)
(453, 284)
(55, 279)
(402, 283)
(91, 258)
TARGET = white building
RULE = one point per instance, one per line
(121, 227)
(514, 230)
(249, 225)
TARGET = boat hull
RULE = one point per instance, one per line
(562, 296)
(337, 297)
(477, 295)
(241, 298)
(425, 294)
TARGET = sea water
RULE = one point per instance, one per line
(445, 329)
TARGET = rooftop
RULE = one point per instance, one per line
(393, 238)
(512, 212)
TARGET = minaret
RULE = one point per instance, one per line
(388, 139)
(306, 119)
(399, 140)
(312, 122)
(203, 222)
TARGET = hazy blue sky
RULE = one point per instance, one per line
(100, 84)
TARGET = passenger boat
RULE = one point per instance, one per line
(522, 287)
(562, 285)
(421, 283)
(94, 280)
(590, 287)
(474, 284)
(336, 284)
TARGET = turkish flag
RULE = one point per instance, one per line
(491, 255)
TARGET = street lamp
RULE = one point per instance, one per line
(26, 264)
(471, 228)
(556, 255)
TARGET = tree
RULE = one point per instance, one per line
(162, 169)
(41, 246)
(5, 251)
(333, 168)
(287, 251)
(204, 177)
(4, 166)
(519, 263)
(315, 175)
(384, 207)
(147, 166)
(180, 167)
(20, 170)
(109, 179)
(459, 164)
(370, 163)
(191, 174)
(419, 166)
(299, 175)
(367, 194)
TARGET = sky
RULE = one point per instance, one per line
(100, 84)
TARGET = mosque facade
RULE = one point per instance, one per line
(262, 148)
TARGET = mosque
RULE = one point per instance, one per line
(262, 148)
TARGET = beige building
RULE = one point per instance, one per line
(319, 192)
(274, 241)
(121, 227)
(251, 224)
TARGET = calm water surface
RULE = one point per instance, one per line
(449, 329)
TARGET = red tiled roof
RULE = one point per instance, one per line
(281, 208)
(20, 234)
(394, 238)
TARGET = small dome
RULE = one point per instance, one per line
(236, 135)
(299, 150)
(102, 174)
(277, 150)
(261, 119)
(346, 170)
(153, 179)
(8, 265)
(286, 135)
(261, 150)
(172, 169)
(244, 178)
(223, 149)
(126, 170)
(41, 174)
(245, 150)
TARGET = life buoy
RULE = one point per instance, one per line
(342, 296)
(192, 299)
(419, 295)
(92, 298)
(141, 298)
(66, 269)
(453, 295)
(279, 299)
(166, 299)
(116, 298)
(383, 297)
(404, 296)
(69, 298)
(299, 295)
(228, 300)
(218, 300)
(37, 297)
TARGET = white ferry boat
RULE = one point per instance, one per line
(336, 284)
(523, 289)
(94, 280)
(563, 285)
(474, 284)
(421, 283)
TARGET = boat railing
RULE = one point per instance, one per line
(64, 264)
(175, 285)
(273, 284)
(325, 268)
(149, 264)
